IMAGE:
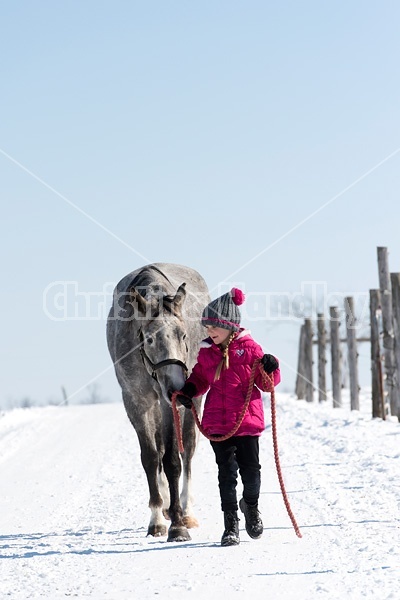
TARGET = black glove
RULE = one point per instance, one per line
(270, 363)
(188, 392)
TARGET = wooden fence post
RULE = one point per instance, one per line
(378, 401)
(352, 352)
(336, 356)
(300, 379)
(395, 283)
(308, 363)
(388, 336)
(64, 395)
(321, 358)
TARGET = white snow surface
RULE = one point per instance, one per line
(74, 515)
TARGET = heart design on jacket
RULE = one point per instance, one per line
(240, 352)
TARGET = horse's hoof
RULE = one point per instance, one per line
(178, 534)
(190, 522)
(157, 530)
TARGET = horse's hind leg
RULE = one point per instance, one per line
(190, 438)
(164, 491)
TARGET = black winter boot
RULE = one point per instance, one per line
(230, 537)
(254, 525)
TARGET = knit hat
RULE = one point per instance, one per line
(223, 312)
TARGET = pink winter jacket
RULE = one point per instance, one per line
(227, 395)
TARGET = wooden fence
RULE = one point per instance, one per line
(384, 340)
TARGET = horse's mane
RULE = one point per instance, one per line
(149, 282)
(142, 281)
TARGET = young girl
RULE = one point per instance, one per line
(223, 369)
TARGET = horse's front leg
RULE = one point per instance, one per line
(172, 467)
(151, 461)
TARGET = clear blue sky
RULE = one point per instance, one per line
(257, 142)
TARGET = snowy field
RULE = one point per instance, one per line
(73, 511)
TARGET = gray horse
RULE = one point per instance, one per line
(153, 335)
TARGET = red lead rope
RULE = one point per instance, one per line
(269, 381)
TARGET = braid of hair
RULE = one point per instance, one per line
(224, 364)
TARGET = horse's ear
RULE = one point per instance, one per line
(138, 303)
(179, 297)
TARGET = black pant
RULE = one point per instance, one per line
(238, 453)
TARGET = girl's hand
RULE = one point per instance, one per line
(185, 401)
(186, 394)
(269, 363)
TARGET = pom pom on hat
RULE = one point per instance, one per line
(238, 296)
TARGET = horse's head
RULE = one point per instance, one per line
(162, 334)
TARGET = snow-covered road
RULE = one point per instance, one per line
(73, 511)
